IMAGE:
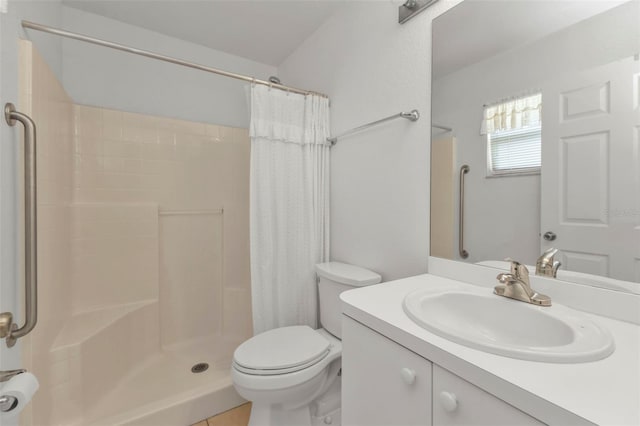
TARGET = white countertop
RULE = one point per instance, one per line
(605, 392)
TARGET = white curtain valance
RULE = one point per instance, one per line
(278, 115)
(512, 115)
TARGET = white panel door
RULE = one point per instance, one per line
(590, 169)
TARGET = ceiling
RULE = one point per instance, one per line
(266, 31)
(499, 25)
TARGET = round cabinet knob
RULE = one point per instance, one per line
(448, 401)
(408, 375)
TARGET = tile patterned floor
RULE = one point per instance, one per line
(238, 416)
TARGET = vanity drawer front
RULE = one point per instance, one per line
(458, 402)
(383, 383)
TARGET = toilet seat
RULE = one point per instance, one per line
(277, 382)
(281, 351)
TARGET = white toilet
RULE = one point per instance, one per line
(290, 373)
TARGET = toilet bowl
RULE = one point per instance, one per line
(291, 374)
(288, 385)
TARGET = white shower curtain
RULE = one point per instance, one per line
(289, 205)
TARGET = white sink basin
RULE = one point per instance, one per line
(482, 320)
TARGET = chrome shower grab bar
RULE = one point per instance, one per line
(413, 115)
(30, 204)
(463, 253)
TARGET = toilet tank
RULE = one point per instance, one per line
(334, 278)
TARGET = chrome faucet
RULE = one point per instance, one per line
(515, 285)
(546, 266)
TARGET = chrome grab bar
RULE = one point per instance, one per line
(9, 329)
(463, 253)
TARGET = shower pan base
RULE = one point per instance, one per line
(164, 391)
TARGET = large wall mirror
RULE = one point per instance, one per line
(541, 102)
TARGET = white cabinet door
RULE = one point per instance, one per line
(458, 402)
(383, 383)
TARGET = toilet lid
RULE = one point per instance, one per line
(282, 349)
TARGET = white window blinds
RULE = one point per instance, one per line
(514, 130)
(515, 151)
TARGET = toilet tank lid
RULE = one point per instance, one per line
(347, 274)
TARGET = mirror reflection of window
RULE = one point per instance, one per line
(513, 130)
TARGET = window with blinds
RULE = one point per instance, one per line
(513, 129)
(514, 151)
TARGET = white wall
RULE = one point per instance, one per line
(10, 138)
(372, 67)
(103, 77)
(503, 214)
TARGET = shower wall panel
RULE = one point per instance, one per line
(114, 254)
(140, 218)
(190, 171)
(43, 98)
(191, 291)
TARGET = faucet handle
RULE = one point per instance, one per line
(546, 265)
(548, 254)
(523, 273)
(516, 269)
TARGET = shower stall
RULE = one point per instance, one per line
(143, 246)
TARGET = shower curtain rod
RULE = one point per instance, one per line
(152, 55)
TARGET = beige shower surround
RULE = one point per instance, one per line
(143, 241)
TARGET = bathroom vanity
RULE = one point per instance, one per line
(395, 372)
